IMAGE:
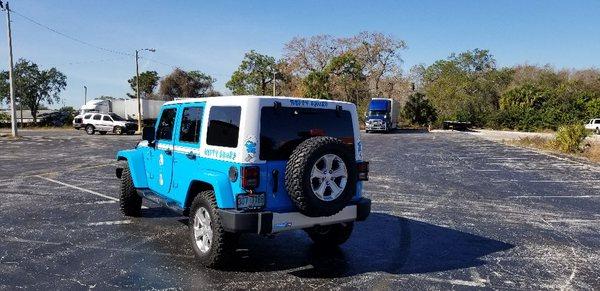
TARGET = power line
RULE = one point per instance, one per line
(70, 37)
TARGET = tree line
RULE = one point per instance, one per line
(466, 86)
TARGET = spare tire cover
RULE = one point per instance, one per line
(320, 176)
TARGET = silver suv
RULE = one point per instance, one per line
(104, 123)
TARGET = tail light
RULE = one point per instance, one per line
(250, 177)
(362, 168)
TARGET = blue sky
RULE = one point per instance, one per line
(212, 36)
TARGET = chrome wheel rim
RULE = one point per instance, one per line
(328, 177)
(203, 233)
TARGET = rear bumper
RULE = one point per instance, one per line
(272, 222)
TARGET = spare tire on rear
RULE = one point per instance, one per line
(320, 176)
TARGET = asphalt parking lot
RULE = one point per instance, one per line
(450, 211)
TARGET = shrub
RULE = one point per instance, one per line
(418, 110)
(570, 137)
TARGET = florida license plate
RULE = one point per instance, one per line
(251, 201)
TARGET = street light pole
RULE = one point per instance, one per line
(137, 86)
(13, 116)
(85, 95)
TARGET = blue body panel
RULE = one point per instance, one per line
(135, 160)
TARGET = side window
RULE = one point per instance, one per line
(87, 116)
(223, 126)
(106, 118)
(165, 125)
(191, 120)
(97, 117)
(597, 121)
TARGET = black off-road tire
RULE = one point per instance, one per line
(298, 171)
(330, 235)
(129, 200)
(597, 130)
(89, 129)
(223, 243)
(118, 130)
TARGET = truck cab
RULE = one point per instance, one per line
(382, 115)
(252, 164)
(593, 125)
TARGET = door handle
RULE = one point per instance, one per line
(168, 152)
(191, 156)
(275, 175)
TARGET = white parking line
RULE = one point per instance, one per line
(78, 188)
(109, 222)
(82, 189)
(553, 196)
(564, 181)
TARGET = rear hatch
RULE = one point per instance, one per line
(282, 129)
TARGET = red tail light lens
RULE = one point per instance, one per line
(250, 177)
(362, 168)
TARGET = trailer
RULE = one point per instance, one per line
(382, 115)
(125, 108)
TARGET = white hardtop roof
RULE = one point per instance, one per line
(208, 99)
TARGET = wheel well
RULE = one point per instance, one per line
(195, 188)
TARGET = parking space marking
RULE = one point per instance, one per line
(564, 181)
(78, 188)
(554, 196)
(117, 222)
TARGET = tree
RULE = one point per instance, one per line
(148, 82)
(346, 78)
(187, 84)
(255, 75)
(33, 86)
(418, 110)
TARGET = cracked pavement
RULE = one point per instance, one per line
(450, 210)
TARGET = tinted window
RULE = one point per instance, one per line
(190, 124)
(106, 118)
(87, 116)
(283, 129)
(165, 125)
(97, 117)
(223, 126)
(116, 117)
(597, 121)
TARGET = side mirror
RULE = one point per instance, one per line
(148, 134)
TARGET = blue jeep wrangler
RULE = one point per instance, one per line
(250, 164)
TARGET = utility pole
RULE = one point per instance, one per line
(137, 87)
(85, 95)
(13, 117)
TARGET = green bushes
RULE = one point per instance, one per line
(570, 137)
(418, 110)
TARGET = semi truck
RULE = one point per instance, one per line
(382, 115)
(125, 108)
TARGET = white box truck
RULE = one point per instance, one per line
(382, 115)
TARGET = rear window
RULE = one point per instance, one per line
(223, 126)
(284, 128)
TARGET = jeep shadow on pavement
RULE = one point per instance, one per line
(250, 164)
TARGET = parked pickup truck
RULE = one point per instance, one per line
(593, 125)
(250, 164)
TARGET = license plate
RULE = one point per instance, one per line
(251, 201)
